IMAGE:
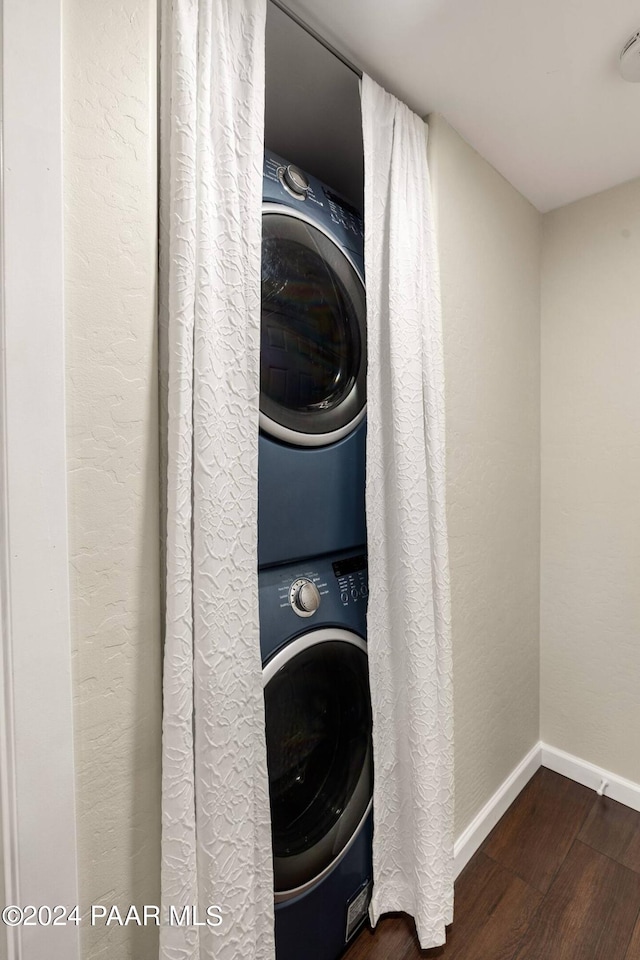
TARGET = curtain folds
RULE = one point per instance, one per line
(216, 846)
(409, 603)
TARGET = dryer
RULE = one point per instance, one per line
(312, 369)
(319, 752)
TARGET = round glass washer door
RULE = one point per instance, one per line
(318, 730)
(313, 333)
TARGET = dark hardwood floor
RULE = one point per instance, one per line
(557, 879)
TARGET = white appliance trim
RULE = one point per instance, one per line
(272, 427)
(36, 719)
(311, 638)
(295, 647)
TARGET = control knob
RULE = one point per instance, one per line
(304, 597)
(295, 181)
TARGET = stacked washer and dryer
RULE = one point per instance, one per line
(312, 562)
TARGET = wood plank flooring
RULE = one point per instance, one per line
(557, 879)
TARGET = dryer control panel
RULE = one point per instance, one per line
(278, 171)
(285, 182)
(344, 213)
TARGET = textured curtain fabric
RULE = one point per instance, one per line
(409, 604)
(216, 845)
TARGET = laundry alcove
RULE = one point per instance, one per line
(541, 433)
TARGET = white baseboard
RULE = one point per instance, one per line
(624, 791)
(617, 788)
(481, 826)
(471, 839)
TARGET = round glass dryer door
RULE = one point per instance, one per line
(313, 333)
(318, 726)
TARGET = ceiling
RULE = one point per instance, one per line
(533, 85)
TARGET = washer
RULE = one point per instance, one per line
(318, 730)
(312, 369)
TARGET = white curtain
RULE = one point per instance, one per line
(409, 604)
(216, 846)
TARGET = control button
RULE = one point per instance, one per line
(364, 590)
(296, 180)
(308, 597)
(354, 593)
(304, 597)
(344, 597)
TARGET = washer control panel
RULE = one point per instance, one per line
(326, 591)
(342, 582)
(351, 576)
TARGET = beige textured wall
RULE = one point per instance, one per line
(110, 271)
(590, 590)
(490, 270)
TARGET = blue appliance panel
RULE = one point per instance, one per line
(311, 500)
(331, 211)
(342, 583)
(314, 927)
(318, 924)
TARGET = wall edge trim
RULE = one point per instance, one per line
(37, 755)
(589, 775)
(559, 761)
(475, 834)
